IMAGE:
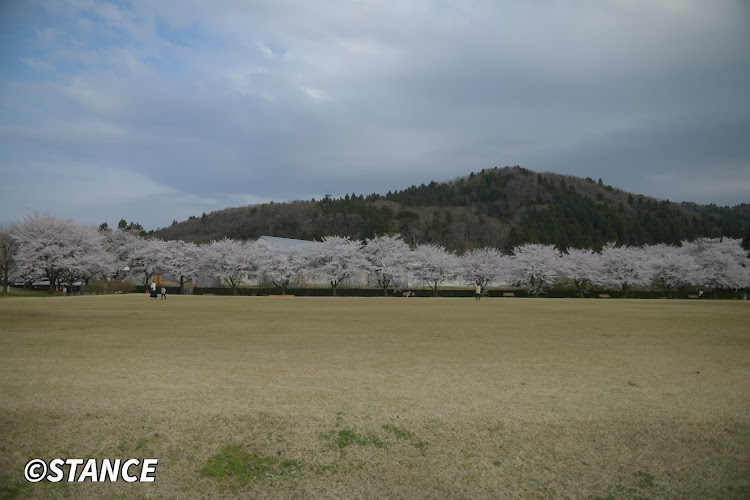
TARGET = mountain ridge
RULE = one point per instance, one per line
(497, 207)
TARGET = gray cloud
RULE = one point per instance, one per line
(171, 109)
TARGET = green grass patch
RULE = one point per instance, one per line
(235, 467)
(342, 438)
(346, 437)
(398, 432)
(402, 434)
(645, 480)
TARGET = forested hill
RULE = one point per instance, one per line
(499, 207)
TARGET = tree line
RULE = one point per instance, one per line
(62, 251)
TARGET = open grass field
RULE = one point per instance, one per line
(370, 398)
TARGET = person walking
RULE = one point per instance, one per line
(163, 293)
(153, 290)
(478, 291)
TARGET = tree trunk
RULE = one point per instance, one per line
(384, 284)
(281, 285)
(334, 285)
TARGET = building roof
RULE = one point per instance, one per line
(289, 243)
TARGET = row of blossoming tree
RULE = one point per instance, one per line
(62, 251)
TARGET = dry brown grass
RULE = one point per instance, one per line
(450, 398)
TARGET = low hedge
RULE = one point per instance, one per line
(171, 290)
(448, 292)
(106, 287)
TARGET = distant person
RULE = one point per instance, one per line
(153, 290)
(700, 294)
(163, 293)
(478, 291)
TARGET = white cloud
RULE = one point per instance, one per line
(265, 50)
(93, 99)
(37, 64)
(316, 94)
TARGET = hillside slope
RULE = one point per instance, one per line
(499, 207)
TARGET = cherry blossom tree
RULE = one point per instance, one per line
(485, 265)
(625, 268)
(435, 265)
(671, 266)
(229, 261)
(180, 260)
(88, 259)
(336, 259)
(55, 248)
(8, 250)
(535, 267)
(146, 258)
(582, 267)
(388, 257)
(41, 245)
(723, 261)
(121, 245)
(281, 267)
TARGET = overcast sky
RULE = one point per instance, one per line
(154, 110)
